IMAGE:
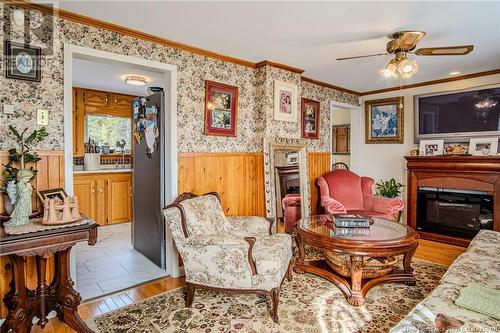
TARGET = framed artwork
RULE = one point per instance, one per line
(384, 120)
(483, 146)
(52, 193)
(431, 147)
(310, 118)
(221, 109)
(285, 101)
(22, 61)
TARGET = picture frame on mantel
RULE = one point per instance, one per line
(310, 110)
(483, 146)
(221, 109)
(285, 101)
(384, 120)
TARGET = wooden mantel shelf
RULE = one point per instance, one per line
(478, 173)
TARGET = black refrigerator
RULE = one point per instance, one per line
(148, 131)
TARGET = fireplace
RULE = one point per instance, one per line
(454, 212)
(451, 198)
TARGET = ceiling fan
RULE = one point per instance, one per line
(403, 43)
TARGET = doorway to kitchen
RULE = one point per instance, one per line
(100, 89)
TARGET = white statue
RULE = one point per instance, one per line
(22, 208)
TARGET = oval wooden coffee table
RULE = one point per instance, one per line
(383, 240)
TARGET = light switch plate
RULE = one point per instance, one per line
(42, 117)
(8, 109)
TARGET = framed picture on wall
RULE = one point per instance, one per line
(22, 61)
(384, 120)
(285, 101)
(483, 146)
(310, 118)
(221, 109)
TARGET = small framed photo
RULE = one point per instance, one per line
(292, 157)
(285, 101)
(483, 146)
(22, 61)
(221, 109)
(52, 193)
(310, 118)
(431, 147)
(384, 121)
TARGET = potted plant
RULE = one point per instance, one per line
(389, 189)
(21, 158)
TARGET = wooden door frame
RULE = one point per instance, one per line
(170, 123)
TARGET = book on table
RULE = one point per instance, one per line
(352, 221)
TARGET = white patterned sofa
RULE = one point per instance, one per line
(236, 254)
(481, 264)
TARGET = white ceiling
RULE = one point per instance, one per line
(110, 76)
(310, 35)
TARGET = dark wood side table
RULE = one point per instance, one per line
(24, 304)
(383, 239)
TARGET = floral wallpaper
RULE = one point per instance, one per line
(255, 88)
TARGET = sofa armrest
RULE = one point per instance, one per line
(383, 205)
(249, 226)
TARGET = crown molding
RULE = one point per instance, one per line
(278, 65)
(331, 86)
(438, 81)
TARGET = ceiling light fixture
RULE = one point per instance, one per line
(135, 80)
(400, 65)
(453, 73)
(390, 70)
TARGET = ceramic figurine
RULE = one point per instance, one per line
(22, 208)
(57, 211)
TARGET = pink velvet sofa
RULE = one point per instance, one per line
(343, 191)
(291, 211)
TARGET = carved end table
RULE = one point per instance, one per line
(357, 248)
(25, 304)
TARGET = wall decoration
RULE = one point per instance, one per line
(285, 101)
(483, 146)
(221, 109)
(431, 147)
(384, 120)
(310, 111)
(22, 61)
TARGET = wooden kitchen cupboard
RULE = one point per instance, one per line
(105, 197)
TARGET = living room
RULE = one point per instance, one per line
(251, 113)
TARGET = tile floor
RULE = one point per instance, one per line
(112, 264)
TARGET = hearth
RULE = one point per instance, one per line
(454, 212)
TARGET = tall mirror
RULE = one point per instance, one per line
(286, 181)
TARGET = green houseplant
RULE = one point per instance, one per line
(388, 188)
(19, 156)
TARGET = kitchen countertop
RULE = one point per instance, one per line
(84, 172)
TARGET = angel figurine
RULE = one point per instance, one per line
(22, 209)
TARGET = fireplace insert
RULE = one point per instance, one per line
(454, 212)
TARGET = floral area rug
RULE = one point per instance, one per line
(307, 304)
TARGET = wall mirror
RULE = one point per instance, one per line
(285, 172)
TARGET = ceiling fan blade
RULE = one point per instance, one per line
(446, 50)
(407, 40)
(363, 56)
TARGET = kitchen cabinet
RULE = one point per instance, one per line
(95, 97)
(105, 197)
(341, 136)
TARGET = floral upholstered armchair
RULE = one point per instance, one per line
(343, 191)
(227, 253)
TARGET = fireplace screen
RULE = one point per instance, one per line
(454, 212)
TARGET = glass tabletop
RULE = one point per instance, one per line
(380, 230)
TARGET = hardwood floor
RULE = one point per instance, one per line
(430, 251)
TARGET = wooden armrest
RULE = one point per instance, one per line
(253, 266)
(271, 222)
(444, 322)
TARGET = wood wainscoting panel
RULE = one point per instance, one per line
(237, 177)
(50, 175)
(318, 164)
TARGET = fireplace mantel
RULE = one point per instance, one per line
(478, 173)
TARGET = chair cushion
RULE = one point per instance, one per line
(345, 187)
(204, 215)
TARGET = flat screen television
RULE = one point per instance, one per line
(458, 116)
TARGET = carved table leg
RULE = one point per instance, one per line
(407, 265)
(69, 298)
(19, 318)
(302, 255)
(41, 289)
(356, 298)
